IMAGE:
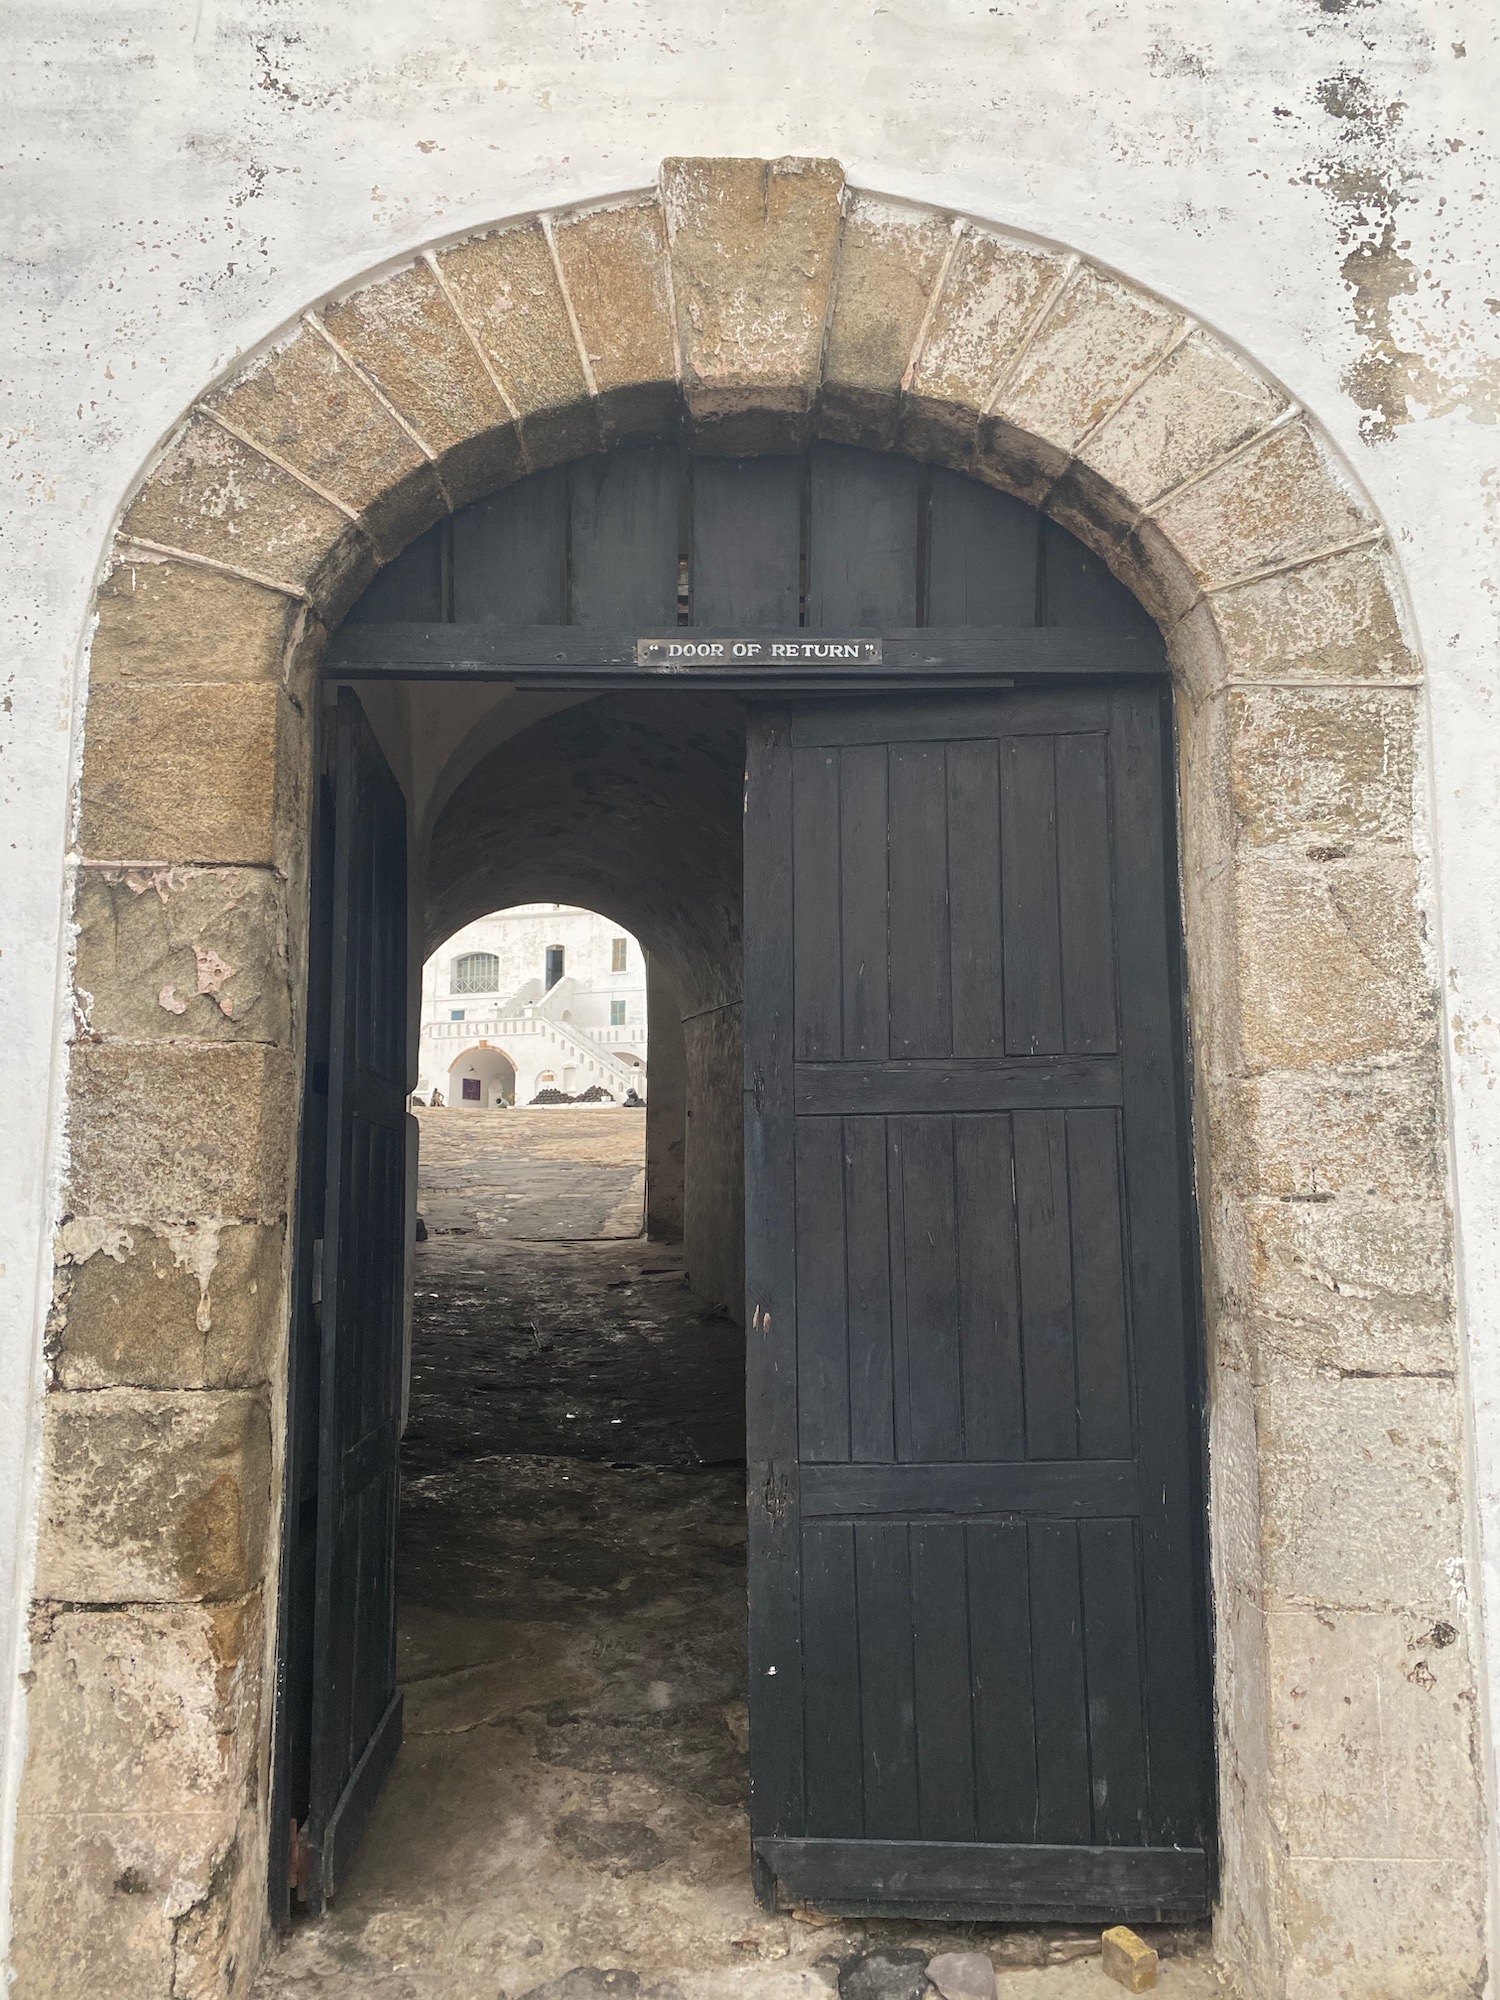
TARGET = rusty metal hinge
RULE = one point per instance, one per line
(302, 1862)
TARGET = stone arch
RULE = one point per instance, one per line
(757, 304)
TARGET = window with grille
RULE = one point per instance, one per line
(617, 954)
(475, 972)
(616, 1013)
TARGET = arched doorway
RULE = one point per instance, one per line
(481, 1079)
(960, 892)
(1202, 484)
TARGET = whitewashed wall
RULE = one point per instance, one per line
(1313, 178)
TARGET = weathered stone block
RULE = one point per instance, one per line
(1201, 402)
(316, 414)
(614, 264)
(183, 954)
(143, 1708)
(1326, 768)
(1282, 499)
(890, 261)
(110, 1906)
(1353, 1928)
(1362, 1490)
(181, 773)
(214, 497)
(1358, 1286)
(153, 1496)
(1330, 967)
(1374, 1129)
(191, 1308)
(180, 1132)
(1328, 621)
(1087, 352)
(994, 290)
(507, 290)
(753, 245)
(405, 332)
(1375, 1748)
(177, 621)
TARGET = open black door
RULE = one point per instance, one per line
(339, 1717)
(978, 1657)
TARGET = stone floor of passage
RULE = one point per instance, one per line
(566, 1818)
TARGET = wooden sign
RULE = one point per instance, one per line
(825, 650)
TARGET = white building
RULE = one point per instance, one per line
(539, 997)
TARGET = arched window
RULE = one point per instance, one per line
(475, 972)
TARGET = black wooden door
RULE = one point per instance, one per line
(978, 1659)
(358, 1284)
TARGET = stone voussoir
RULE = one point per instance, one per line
(506, 289)
(1281, 500)
(613, 260)
(1097, 338)
(154, 1496)
(176, 621)
(753, 245)
(404, 333)
(995, 289)
(306, 407)
(215, 497)
(891, 261)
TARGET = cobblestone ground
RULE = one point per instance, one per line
(566, 1818)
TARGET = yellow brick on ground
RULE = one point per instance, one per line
(1128, 1959)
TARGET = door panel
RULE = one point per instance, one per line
(356, 1707)
(979, 1680)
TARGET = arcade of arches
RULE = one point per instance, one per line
(746, 309)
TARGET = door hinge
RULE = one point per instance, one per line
(302, 1862)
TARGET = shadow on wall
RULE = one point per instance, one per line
(631, 805)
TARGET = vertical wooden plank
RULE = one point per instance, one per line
(943, 1682)
(818, 980)
(510, 554)
(1005, 1751)
(862, 539)
(1158, 1250)
(1101, 1341)
(1109, 1562)
(746, 549)
(1059, 1692)
(1085, 905)
(929, 1252)
(1028, 857)
(625, 509)
(1041, 1169)
(989, 1312)
(822, 1323)
(895, 1183)
(864, 889)
(1078, 589)
(920, 958)
(776, 1719)
(886, 1680)
(835, 1750)
(982, 555)
(868, 1255)
(977, 974)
